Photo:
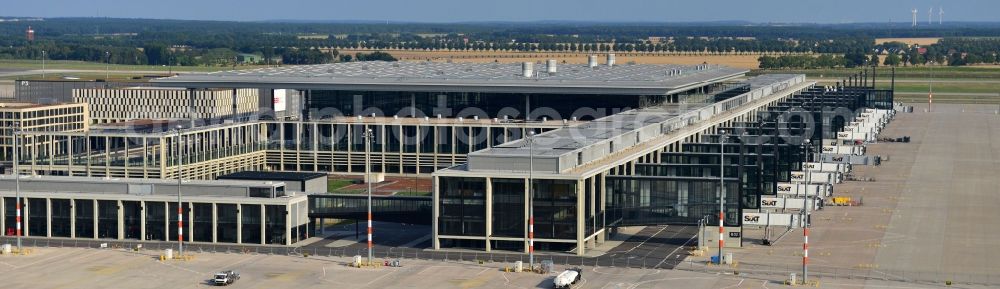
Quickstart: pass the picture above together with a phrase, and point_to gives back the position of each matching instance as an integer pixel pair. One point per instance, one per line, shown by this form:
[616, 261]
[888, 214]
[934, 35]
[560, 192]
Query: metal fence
[754, 270]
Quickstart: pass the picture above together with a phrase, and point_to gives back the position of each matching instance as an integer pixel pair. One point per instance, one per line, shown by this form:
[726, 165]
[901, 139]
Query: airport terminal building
[611, 144]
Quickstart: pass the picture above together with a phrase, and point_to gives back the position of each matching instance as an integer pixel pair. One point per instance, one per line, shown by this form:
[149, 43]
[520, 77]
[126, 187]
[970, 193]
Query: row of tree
[175, 42]
[814, 61]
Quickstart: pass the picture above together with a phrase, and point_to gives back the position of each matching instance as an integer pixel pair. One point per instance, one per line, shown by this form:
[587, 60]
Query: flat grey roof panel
[489, 77]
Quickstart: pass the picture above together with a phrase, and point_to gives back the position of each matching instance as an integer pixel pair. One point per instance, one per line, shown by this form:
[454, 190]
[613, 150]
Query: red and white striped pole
[17, 180]
[368, 179]
[722, 239]
[180, 205]
[18, 220]
[722, 192]
[805, 252]
[369, 236]
[531, 239]
[180, 229]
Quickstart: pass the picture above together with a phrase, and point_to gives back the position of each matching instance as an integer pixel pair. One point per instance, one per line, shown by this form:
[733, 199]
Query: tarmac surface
[928, 217]
[661, 247]
[122, 268]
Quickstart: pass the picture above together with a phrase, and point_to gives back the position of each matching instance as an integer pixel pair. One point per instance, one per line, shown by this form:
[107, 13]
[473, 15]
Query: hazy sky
[813, 11]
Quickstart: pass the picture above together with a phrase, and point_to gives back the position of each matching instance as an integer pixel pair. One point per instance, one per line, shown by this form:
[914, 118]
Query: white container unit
[827, 167]
[814, 177]
[799, 190]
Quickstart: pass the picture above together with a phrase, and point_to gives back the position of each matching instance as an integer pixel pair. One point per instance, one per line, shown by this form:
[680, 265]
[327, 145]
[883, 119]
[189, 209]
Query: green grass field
[956, 72]
[82, 65]
[333, 185]
[953, 84]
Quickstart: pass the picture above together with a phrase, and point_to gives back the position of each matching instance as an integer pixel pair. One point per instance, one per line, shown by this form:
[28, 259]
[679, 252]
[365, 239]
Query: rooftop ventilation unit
[611, 59]
[527, 69]
[592, 61]
[550, 66]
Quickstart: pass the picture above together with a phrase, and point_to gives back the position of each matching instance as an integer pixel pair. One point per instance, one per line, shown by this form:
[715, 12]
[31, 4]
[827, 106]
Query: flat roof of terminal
[561, 141]
[557, 143]
[631, 79]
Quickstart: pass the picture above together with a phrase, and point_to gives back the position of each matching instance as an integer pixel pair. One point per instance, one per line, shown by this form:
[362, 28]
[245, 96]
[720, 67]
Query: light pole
[368, 179]
[43, 64]
[722, 192]
[107, 65]
[17, 181]
[531, 201]
[805, 218]
[180, 206]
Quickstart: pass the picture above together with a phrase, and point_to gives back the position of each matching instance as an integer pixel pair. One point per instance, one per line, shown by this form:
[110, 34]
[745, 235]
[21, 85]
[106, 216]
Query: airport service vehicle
[567, 278]
[226, 277]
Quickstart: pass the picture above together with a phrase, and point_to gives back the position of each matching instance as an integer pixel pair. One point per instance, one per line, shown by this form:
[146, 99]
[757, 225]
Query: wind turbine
[930, 16]
[914, 11]
[940, 15]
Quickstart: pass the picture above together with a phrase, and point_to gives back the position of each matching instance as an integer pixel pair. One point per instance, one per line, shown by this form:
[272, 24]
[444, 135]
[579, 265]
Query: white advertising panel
[769, 219]
[280, 99]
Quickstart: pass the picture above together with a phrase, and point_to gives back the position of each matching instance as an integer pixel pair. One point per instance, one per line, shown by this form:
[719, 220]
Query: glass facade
[84, 218]
[107, 219]
[638, 200]
[10, 219]
[274, 227]
[401, 209]
[251, 223]
[508, 207]
[226, 223]
[457, 104]
[37, 211]
[202, 231]
[132, 219]
[156, 221]
[172, 214]
[555, 209]
[61, 210]
[463, 206]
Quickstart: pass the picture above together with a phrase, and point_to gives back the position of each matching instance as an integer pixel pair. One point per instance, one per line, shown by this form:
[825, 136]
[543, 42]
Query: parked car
[567, 278]
[226, 277]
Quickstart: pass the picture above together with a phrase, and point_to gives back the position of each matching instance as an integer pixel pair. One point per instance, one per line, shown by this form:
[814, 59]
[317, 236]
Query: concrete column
[72, 218]
[603, 205]
[166, 223]
[581, 226]
[436, 211]
[263, 228]
[215, 223]
[489, 212]
[142, 220]
[592, 205]
[25, 219]
[3, 217]
[121, 220]
[48, 217]
[190, 223]
[94, 203]
[288, 225]
[239, 224]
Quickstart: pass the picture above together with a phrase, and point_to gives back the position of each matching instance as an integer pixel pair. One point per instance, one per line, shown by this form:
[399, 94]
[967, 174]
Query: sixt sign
[783, 188]
[768, 203]
[751, 219]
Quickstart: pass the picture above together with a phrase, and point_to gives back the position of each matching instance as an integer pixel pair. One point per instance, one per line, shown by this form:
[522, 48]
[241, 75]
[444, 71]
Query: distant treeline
[178, 42]
[948, 51]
